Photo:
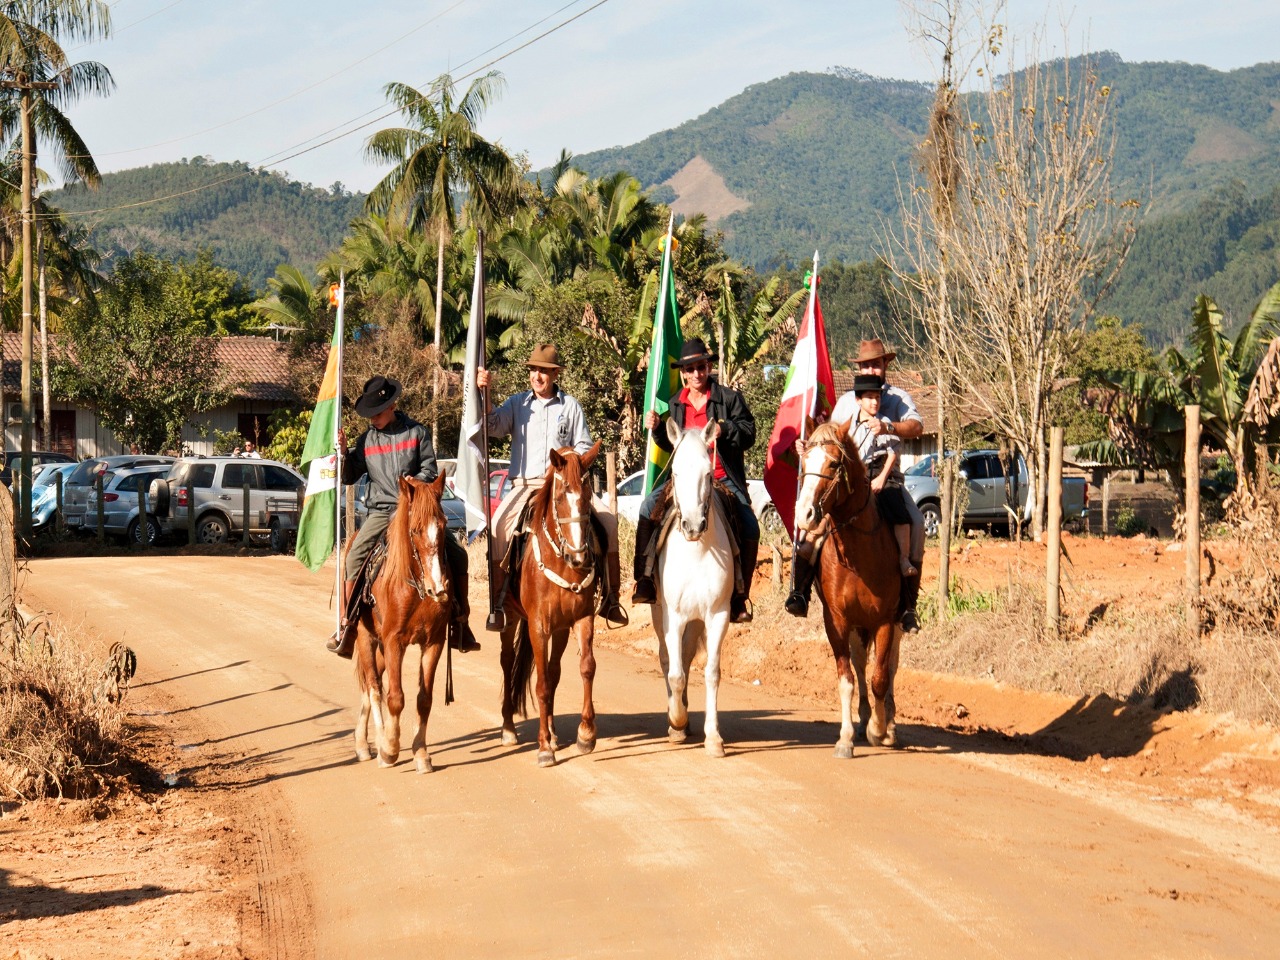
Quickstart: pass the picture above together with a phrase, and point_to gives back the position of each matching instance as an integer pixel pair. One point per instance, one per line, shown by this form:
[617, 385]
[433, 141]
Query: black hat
[693, 351]
[867, 383]
[379, 393]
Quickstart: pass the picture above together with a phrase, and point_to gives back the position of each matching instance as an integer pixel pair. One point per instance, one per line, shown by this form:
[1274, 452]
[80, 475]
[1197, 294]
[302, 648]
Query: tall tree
[441, 154]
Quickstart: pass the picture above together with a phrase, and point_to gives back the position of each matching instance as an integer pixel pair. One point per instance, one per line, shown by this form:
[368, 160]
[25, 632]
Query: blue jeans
[750, 526]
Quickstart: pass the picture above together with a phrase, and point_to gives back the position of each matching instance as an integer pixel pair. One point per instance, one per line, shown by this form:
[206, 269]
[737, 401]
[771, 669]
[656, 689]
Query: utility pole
[25, 85]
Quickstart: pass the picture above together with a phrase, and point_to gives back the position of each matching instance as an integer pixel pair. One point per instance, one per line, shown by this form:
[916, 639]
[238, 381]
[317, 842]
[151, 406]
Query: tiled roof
[259, 367]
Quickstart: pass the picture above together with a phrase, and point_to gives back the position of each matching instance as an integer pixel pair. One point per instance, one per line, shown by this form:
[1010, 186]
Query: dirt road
[953, 845]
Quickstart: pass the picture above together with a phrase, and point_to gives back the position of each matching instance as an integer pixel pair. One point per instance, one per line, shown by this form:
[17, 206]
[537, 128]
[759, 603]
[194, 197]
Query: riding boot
[645, 591]
[797, 602]
[460, 636]
[610, 607]
[740, 604]
[343, 643]
[910, 594]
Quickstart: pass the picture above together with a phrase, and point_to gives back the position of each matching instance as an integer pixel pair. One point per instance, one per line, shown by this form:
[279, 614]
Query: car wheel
[277, 537]
[134, 533]
[769, 519]
[932, 518]
[212, 528]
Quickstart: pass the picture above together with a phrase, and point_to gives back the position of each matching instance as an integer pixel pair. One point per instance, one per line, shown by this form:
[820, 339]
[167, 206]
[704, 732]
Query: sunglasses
[703, 367]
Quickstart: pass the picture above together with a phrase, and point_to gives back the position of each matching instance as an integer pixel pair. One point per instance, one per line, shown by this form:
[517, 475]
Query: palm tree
[744, 336]
[438, 155]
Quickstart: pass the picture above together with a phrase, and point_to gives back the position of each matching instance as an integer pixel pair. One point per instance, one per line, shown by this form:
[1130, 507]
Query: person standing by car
[898, 417]
[393, 446]
[539, 420]
[702, 401]
[251, 451]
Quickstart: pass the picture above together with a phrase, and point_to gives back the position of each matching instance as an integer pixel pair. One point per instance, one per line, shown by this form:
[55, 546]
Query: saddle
[513, 560]
[664, 520]
[362, 591]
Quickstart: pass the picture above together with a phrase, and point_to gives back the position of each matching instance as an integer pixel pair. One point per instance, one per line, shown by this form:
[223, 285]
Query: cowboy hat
[379, 393]
[693, 351]
[875, 349]
[546, 356]
[867, 383]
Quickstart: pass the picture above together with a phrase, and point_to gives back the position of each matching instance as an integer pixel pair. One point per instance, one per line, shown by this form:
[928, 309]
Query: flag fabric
[318, 523]
[809, 391]
[471, 482]
[662, 382]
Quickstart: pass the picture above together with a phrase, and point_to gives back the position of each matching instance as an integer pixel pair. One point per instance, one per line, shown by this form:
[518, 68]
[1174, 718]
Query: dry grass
[61, 719]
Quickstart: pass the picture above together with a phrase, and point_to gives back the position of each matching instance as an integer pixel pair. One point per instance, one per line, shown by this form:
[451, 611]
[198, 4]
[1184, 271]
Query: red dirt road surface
[268, 839]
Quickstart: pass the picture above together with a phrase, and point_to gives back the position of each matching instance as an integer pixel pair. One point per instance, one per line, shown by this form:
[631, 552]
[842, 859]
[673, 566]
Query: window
[200, 475]
[631, 486]
[277, 478]
[236, 475]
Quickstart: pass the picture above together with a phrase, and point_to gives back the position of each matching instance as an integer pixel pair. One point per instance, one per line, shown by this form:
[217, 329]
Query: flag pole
[808, 407]
[337, 463]
[660, 324]
[496, 620]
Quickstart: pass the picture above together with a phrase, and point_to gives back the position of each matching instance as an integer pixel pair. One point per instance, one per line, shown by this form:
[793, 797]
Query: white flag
[470, 482]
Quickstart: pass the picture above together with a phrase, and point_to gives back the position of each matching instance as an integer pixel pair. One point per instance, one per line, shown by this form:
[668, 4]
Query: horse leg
[838, 634]
[585, 630]
[715, 630]
[430, 658]
[365, 676]
[539, 637]
[508, 658]
[371, 660]
[389, 748]
[861, 642]
[881, 730]
[677, 681]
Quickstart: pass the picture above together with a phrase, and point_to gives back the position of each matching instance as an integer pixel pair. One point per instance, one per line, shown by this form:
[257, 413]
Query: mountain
[251, 220]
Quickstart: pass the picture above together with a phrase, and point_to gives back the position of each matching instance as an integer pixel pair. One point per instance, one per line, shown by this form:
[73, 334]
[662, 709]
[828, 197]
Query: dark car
[13, 460]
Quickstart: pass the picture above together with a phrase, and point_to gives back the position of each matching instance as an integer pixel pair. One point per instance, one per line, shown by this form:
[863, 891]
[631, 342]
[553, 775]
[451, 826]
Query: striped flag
[662, 381]
[471, 482]
[809, 392]
[318, 524]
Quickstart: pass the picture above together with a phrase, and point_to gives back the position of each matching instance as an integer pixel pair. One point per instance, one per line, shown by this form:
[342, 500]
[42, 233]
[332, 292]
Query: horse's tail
[521, 670]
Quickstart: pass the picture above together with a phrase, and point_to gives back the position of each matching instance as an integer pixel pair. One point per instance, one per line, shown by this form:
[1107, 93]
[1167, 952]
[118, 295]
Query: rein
[839, 473]
[561, 548]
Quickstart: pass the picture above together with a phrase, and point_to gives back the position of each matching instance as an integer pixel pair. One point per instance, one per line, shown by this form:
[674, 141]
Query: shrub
[1128, 523]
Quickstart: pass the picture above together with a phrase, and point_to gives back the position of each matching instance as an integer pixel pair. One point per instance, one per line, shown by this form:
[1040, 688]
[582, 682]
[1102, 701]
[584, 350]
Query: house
[258, 369]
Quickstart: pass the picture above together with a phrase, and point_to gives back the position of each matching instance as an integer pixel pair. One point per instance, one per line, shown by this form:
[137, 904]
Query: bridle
[576, 557]
[705, 500]
[419, 583]
[839, 476]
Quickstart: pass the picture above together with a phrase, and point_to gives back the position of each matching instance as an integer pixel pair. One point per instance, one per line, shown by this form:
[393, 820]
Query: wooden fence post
[244, 534]
[1053, 560]
[1192, 470]
[611, 480]
[144, 527]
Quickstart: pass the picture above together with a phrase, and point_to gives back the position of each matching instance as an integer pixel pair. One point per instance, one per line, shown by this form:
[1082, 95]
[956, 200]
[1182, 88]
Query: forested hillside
[250, 220]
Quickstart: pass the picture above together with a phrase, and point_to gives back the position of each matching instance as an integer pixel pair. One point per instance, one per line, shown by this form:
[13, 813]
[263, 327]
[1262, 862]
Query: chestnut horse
[859, 579]
[556, 599]
[412, 603]
[695, 582]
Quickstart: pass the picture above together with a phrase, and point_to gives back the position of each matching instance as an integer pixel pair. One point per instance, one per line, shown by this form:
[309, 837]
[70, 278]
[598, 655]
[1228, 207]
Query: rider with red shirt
[700, 402]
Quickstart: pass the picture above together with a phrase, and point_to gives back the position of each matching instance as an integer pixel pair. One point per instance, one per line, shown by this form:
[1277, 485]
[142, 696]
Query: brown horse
[557, 590]
[859, 579]
[412, 603]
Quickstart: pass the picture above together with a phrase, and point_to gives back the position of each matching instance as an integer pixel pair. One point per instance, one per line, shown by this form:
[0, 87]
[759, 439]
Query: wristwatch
[892, 428]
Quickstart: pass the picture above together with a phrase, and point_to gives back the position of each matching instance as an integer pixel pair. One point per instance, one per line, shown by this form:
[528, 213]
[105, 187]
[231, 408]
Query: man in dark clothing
[701, 401]
[394, 446]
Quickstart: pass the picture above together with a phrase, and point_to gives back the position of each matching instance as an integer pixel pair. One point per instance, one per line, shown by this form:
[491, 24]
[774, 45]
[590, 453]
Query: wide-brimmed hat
[867, 383]
[693, 351]
[379, 393]
[870, 350]
[546, 356]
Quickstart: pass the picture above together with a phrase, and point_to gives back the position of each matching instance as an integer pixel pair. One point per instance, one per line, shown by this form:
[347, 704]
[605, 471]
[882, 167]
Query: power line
[279, 158]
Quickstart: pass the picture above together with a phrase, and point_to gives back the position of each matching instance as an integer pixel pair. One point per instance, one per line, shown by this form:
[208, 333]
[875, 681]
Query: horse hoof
[363, 754]
[509, 738]
[386, 759]
[890, 737]
[715, 748]
[586, 746]
[844, 751]
[546, 758]
[875, 737]
[424, 766]
[677, 736]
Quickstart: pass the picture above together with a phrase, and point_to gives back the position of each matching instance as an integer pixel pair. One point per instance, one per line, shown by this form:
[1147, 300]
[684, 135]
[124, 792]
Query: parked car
[215, 485]
[44, 493]
[120, 503]
[13, 460]
[990, 490]
[83, 477]
[455, 513]
[629, 500]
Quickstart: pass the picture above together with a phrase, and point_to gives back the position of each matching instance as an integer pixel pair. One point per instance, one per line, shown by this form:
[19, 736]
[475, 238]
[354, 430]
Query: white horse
[695, 582]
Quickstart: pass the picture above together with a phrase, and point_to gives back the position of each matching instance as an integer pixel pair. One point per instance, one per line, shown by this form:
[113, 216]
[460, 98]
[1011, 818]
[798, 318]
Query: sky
[263, 80]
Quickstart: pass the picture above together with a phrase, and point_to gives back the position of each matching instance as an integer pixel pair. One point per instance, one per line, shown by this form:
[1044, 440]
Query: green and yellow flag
[318, 523]
[663, 381]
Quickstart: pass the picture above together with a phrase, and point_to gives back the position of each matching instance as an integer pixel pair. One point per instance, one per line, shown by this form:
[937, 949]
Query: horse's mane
[833, 433]
[419, 513]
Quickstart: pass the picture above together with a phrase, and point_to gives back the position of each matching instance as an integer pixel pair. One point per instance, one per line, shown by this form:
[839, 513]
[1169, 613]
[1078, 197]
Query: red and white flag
[810, 392]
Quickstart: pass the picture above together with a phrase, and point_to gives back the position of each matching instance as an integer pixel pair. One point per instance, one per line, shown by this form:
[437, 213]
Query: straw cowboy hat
[379, 393]
[546, 356]
[875, 349]
[693, 351]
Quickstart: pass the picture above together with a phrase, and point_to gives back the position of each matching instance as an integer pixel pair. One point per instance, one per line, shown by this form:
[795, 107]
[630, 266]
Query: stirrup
[614, 613]
[909, 622]
[645, 591]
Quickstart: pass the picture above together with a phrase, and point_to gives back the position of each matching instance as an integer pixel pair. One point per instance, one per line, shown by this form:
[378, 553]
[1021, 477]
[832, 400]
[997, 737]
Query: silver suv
[120, 503]
[79, 481]
[218, 485]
